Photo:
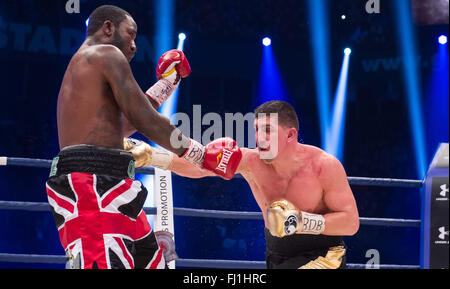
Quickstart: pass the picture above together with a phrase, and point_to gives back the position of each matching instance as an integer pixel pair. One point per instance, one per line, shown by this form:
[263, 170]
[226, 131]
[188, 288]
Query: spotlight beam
[270, 80]
[335, 133]
[411, 76]
[319, 40]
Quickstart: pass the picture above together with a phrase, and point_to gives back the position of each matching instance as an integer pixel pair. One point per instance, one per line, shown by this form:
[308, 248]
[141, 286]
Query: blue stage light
[271, 85]
[443, 39]
[266, 41]
[347, 51]
[181, 36]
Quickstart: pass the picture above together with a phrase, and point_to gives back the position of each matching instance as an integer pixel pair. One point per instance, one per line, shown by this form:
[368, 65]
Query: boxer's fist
[145, 155]
[283, 219]
[142, 152]
[166, 243]
[222, 157]
[173, 65]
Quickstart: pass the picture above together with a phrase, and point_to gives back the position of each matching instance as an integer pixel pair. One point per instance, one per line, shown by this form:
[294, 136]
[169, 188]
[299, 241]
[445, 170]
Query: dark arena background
[368, 79]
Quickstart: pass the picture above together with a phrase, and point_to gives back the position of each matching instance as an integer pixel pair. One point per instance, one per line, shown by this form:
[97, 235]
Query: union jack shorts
[98, 210]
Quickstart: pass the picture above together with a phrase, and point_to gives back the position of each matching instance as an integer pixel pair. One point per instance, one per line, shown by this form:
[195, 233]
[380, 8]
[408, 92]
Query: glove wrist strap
[161, 159]
[161, 90]
[195, 154]
[312, 223]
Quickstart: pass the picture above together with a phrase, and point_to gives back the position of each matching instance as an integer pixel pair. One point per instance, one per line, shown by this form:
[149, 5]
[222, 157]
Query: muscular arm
[186, 169]
[134, 104]
[343, 218]
[183, 168]
[128, 128]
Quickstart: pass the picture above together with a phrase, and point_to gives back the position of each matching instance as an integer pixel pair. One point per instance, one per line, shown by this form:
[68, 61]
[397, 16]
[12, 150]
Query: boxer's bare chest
[87, 112]
[302, 188]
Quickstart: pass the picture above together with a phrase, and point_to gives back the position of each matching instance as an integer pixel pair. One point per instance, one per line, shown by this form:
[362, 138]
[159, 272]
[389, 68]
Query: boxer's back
[87, 112]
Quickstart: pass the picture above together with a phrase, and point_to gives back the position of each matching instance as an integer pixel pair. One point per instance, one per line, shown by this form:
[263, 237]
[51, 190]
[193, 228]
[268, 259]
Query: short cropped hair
[287, 115]
[103, 13]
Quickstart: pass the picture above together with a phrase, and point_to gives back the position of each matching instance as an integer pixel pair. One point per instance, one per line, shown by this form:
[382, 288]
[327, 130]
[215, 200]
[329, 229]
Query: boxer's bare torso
[100, 101]
[87, 112]
[302, 187]
[312, 180]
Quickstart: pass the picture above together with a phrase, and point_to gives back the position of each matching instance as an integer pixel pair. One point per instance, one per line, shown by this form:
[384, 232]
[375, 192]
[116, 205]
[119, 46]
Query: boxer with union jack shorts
[98, 210]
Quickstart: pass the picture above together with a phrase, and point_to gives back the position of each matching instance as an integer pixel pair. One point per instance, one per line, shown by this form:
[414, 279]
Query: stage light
[437, 101]
[182, 36]
[442, 39]
[271, 85]
[343, 17]
[347, 51]
[266, 41]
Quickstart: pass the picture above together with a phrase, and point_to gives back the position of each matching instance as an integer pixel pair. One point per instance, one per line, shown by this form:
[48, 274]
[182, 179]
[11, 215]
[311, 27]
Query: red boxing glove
[173, 63]
[222, 157]
[172, 66]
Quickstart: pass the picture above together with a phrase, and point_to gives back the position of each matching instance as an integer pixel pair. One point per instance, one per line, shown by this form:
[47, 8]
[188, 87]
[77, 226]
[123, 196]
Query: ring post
[434, 230]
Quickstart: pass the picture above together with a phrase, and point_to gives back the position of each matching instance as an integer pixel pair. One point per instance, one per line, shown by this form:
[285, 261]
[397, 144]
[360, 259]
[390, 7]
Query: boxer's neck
[95, 39]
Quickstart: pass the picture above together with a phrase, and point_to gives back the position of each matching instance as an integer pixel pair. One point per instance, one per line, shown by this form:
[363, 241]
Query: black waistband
[298, 243]
[94, 160]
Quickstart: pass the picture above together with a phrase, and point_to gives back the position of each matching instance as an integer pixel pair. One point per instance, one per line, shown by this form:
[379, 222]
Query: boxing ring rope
[197, 263]
[189, 212]
[357, 181]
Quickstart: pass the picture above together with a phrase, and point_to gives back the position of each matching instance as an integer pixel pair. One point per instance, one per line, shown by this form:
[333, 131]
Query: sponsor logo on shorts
[131, 170]
[54, 168]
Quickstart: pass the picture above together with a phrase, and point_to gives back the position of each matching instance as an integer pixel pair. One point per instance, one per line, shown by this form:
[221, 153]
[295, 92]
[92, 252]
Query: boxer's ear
[292, 134]
[108, 28]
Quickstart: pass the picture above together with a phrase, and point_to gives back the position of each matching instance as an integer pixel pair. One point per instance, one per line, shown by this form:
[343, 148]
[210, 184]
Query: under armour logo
[444, 190]
[443, 233]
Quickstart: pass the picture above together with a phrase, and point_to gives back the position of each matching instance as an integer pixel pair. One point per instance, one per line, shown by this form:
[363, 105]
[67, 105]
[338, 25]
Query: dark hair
[287, 116]
[103, 13]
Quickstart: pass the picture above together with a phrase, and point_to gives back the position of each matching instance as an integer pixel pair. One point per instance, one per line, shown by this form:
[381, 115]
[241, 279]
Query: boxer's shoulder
[103, 54]
[319, 158]
[327, 165]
